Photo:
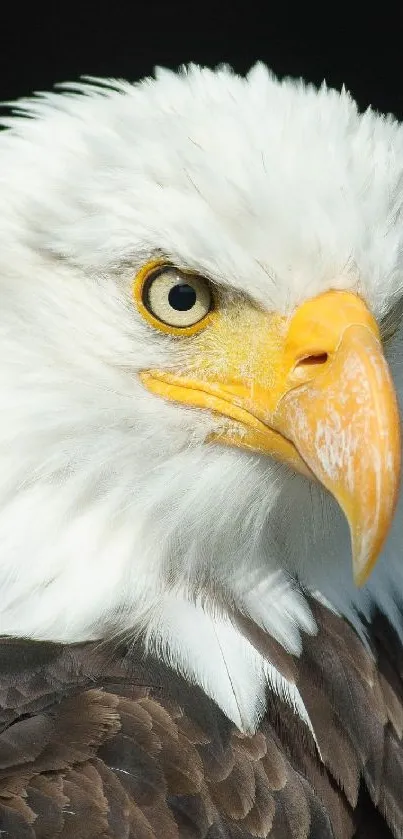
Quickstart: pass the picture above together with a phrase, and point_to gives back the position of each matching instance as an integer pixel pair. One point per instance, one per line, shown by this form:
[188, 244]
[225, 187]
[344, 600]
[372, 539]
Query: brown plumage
[102, 744]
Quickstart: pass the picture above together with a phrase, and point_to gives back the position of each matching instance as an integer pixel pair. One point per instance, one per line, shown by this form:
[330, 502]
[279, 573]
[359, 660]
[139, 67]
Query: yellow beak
[314, 391]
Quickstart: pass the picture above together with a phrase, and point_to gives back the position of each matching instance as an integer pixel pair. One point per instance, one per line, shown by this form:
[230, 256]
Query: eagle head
[200, 366]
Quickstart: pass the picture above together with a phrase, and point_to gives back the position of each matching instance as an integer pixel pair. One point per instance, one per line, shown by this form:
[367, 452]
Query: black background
[42, 45]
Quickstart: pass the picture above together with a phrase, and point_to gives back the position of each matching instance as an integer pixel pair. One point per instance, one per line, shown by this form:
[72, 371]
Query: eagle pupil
[182, 297]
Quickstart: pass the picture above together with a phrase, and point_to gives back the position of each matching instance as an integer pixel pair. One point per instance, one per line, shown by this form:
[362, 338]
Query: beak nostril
[309, 360]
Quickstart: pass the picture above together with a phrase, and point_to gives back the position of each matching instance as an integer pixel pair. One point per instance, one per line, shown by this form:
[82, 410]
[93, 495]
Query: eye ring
[173, 300]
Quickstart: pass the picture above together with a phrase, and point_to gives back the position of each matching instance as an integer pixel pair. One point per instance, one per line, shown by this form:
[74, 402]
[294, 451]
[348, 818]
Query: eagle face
[200, 338]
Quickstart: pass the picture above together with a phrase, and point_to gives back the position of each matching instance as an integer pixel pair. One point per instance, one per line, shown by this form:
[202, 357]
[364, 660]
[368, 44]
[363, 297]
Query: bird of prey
[201, 571]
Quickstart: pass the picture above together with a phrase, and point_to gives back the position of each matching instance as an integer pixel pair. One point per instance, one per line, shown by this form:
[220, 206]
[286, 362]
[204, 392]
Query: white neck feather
[209, 650]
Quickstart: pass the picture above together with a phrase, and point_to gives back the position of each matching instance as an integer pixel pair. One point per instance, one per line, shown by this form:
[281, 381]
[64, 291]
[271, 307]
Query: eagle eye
[175, 301]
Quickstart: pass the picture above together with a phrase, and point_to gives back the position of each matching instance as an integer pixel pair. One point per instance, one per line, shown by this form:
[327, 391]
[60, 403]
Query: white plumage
[116, 514]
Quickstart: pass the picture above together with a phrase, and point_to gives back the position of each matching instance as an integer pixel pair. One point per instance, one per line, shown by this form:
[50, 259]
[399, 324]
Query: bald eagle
[201, 351]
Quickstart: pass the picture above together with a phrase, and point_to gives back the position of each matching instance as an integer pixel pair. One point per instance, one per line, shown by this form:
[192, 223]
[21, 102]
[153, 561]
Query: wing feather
[95, 744]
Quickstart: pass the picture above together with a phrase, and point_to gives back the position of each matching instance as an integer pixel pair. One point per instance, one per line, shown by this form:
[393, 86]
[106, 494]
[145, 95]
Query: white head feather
[115, 514]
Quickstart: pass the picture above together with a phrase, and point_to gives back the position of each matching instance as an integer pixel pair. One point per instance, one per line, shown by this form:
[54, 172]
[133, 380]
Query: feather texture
[101, 743]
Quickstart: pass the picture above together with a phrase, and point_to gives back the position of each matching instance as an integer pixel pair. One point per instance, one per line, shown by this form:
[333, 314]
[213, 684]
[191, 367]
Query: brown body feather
[102, 745]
